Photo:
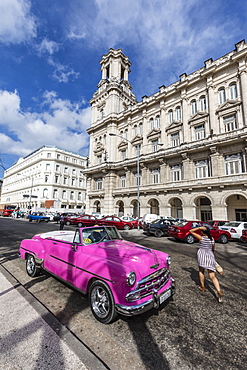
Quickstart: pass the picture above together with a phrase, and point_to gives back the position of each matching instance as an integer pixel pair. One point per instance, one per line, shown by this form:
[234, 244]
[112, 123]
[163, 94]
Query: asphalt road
[193, 331]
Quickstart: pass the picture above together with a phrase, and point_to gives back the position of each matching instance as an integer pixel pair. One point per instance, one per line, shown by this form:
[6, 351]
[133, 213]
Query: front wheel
[67, 223]
[190, 239]
[80, 224]
[158, 233]
[223, 239]
[30, 220]
[102, 302]
[31, 266]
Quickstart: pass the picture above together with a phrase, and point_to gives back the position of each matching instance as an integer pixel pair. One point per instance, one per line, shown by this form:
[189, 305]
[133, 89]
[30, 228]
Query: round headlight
[131, 278]
[169, 260]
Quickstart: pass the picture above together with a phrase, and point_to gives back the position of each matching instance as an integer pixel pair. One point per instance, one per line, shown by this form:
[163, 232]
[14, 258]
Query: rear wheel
[158, 233]
[67, 223]
[102, 302]
[190, 239]
[80, 224]
[31, 266]
[223, 239]
[30, 220]
[126, 227]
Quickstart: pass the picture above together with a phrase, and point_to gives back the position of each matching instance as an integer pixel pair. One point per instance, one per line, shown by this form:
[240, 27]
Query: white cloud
[17, 24]
[62, 73]
[166, 37]
[48, 46]
[62, 124]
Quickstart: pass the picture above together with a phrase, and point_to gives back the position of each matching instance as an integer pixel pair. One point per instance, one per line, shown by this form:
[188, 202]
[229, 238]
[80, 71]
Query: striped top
[205, 254]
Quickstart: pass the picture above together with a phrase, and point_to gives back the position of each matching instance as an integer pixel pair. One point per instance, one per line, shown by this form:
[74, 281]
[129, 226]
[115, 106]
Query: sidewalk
[32, 338]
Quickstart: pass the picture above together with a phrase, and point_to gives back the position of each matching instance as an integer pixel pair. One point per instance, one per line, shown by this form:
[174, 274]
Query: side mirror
[74, 247]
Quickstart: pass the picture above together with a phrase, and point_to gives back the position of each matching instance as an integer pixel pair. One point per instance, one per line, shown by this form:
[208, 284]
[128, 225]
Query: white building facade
[48, 178]
[199, 171]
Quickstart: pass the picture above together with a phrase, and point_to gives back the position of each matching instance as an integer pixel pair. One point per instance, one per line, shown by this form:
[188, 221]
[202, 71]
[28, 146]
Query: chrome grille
[156, 280]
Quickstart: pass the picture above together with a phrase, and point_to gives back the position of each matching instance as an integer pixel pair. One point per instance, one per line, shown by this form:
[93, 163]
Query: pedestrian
[206, 258]
[61, 222]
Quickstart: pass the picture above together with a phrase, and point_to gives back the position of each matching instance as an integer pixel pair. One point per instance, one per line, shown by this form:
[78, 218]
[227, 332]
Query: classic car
[38, 216]
[181, 231]
[130, 219]
[115, 221]
[120, 277]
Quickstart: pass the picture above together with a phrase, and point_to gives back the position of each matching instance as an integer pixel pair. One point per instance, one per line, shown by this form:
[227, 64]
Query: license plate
[165, 296]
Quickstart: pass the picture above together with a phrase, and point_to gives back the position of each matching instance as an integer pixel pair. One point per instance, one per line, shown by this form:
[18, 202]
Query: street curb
[90, 360]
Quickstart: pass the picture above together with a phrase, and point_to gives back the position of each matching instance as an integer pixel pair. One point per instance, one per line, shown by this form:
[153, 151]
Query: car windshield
[181, 223]
[156, 221]
[99, 234]
[233, 224]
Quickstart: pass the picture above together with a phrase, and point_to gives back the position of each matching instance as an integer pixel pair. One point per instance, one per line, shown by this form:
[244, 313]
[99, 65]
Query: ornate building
[180, 152]
[48, 178]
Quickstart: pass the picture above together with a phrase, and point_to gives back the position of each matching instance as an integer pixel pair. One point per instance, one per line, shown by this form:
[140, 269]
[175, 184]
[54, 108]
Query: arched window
[151, 122]
[222, 95]
[157, 121]
[45, 193]
[135, 130]
[72, 195]
[55, 196]
[140, 128]
[178, 113]
[193, 107]
[203, 105]
[170, 116]
[64, 196]
[233, 91]
[79, 196]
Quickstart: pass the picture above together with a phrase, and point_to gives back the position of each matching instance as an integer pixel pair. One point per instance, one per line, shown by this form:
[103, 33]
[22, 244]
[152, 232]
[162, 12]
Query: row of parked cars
[124, 223]
[222, 231]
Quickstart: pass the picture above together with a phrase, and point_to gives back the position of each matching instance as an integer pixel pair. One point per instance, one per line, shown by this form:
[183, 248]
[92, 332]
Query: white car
[127, 218]
[234, 228]
[50, 215]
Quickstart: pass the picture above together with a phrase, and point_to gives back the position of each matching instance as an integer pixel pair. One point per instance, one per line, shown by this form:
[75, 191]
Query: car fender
[32, 246]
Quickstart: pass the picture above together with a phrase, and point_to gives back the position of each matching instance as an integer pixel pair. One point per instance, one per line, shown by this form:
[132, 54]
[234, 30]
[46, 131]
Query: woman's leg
[201, 277]
[215, 281]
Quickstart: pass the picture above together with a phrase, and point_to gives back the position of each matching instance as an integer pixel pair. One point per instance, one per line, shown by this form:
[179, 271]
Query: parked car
[56, 217]
[119, 276]
[69, 217]
[180, 231]
[158, 227]
[80, 221]
[38, 216]
[235, 228]
[244, 235]
[98, 214]
[216, 223]
[133, 220]
[115, 221]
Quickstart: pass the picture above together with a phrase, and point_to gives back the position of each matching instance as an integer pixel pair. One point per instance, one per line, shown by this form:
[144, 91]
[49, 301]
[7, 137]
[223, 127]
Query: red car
[244, 235]
[115, 221]
[82, 221]
[216, 224]
[180, 231]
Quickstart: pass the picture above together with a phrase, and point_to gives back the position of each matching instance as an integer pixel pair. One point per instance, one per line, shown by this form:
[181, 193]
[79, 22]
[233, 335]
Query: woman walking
[206, 259]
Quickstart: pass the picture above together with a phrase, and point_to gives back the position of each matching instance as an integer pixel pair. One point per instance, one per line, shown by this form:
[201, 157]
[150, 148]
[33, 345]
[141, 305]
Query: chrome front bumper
[145, 306]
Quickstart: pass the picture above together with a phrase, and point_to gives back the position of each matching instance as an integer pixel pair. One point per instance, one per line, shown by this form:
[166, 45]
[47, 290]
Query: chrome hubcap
[100, 302]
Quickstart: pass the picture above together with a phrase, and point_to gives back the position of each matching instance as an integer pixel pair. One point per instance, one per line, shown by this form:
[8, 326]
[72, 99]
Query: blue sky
[50, 53]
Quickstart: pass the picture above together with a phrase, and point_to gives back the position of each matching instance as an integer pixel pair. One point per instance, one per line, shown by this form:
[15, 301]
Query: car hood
[132, 255]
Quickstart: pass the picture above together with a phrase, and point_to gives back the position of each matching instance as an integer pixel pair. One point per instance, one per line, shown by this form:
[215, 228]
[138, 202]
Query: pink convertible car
[118, 276]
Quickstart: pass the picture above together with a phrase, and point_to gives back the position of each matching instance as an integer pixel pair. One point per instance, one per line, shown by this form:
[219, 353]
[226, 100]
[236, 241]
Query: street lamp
[138, 173]
[30, 198]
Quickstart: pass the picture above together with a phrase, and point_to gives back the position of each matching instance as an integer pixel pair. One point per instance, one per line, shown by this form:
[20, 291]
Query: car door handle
[54, 243]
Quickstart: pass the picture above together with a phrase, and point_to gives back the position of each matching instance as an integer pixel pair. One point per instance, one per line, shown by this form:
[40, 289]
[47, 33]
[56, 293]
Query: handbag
[219, 269]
